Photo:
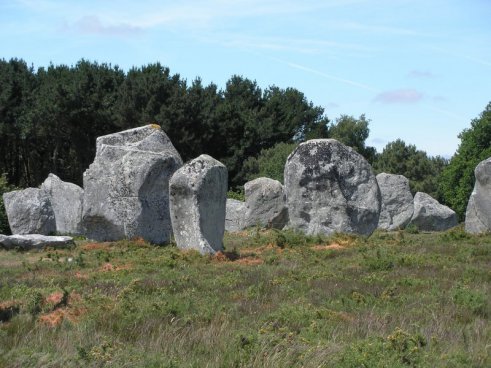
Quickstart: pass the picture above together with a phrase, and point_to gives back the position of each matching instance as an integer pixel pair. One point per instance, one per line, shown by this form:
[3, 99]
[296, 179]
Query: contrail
[332, 77]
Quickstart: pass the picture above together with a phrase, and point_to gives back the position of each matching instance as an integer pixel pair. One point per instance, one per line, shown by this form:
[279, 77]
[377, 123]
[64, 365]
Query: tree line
[51, 117]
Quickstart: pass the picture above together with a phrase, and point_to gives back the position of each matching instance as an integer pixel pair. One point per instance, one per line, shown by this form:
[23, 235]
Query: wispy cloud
[330, 76]
[421, 74]
[375, 28]
[332, 105]
[93, 25]
[399, 96]
[463, 55]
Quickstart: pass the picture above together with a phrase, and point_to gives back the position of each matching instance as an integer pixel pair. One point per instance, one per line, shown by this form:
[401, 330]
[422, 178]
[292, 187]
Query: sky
[420, 70]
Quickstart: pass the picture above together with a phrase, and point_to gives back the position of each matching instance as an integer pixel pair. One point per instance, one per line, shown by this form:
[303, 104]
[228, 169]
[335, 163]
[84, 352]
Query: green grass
[274, 299]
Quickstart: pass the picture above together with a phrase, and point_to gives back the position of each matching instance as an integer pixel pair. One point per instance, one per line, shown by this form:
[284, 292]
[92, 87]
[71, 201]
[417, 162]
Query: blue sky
[420, 70]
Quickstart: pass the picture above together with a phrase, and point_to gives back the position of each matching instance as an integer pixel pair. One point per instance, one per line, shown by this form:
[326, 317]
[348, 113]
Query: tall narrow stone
[198, 193]
[397, 201]
[478, 214]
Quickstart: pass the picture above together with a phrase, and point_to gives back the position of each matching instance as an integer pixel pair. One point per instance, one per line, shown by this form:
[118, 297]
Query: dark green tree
[353, 132]
[17, 82]
[4, 188]
[270, 163]
[422, 171]
[457, 179]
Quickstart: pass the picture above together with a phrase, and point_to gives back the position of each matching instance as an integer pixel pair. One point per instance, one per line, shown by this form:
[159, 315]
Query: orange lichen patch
[139, 242]
[54, 318]
[333, 246]
[108, 267]
[70, 311]
[261, 250]
[249, 261]
[81, 276]
[232, 257]
[55, 298]
[96, 246]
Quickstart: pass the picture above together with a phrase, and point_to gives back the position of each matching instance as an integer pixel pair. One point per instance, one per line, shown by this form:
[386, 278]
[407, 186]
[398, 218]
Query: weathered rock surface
[265, 203]
[397, 201]
[66, 200]
[478, 214]
[235, 215]
[29, 211]
[198, 193]
[127, 186]
[430, 215]
[34, 241]
[331, 188]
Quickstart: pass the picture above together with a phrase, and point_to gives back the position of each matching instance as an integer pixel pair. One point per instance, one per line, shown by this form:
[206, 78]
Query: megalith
[66, 200]
[478, 214]
[235, 215]
[198, 193]
[29, 211]
[397, 201]
[265, 203]
[330, 188]
[430, 215]
[126, 188]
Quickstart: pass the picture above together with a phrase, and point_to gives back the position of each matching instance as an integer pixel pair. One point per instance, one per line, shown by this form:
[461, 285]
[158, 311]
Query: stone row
[138, 187]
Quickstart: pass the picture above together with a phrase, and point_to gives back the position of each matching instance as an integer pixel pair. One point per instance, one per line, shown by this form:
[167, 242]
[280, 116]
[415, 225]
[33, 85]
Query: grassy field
[273, 299]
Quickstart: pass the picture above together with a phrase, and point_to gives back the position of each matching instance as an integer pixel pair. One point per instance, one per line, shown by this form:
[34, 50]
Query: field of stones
[151, 265]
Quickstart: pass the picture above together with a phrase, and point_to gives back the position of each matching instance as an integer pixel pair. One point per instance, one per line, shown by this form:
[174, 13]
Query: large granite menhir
[397, 202]
[331, 188]
[66, 200]
[430, 215]
[29, 211]
[198, 192]
[127, 186]
[265, 203]
[478, 214]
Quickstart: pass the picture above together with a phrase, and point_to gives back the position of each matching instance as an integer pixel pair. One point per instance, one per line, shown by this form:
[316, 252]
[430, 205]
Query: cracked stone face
[126, 188]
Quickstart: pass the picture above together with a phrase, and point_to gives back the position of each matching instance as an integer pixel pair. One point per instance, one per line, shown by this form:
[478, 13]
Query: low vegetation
[272, 299]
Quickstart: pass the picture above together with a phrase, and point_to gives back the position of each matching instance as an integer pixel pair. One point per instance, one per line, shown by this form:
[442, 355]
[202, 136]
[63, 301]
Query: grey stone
[330, 188]
[478, 214]
[430, 215]
[66, 200]
[198, 192]
[265, 203]
[397, 201]
[235, 215]
[126, 188]
[29, 211]
[34, 241]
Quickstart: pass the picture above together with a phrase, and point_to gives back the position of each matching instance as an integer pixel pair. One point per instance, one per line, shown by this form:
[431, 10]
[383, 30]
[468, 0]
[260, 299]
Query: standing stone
[66, 200]
[198, 193]
[478, 214]
[265, 203]
[29, 211]
[397, 201]
[430, 215]
[331, 188]
[235, 215]
[127, 186]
